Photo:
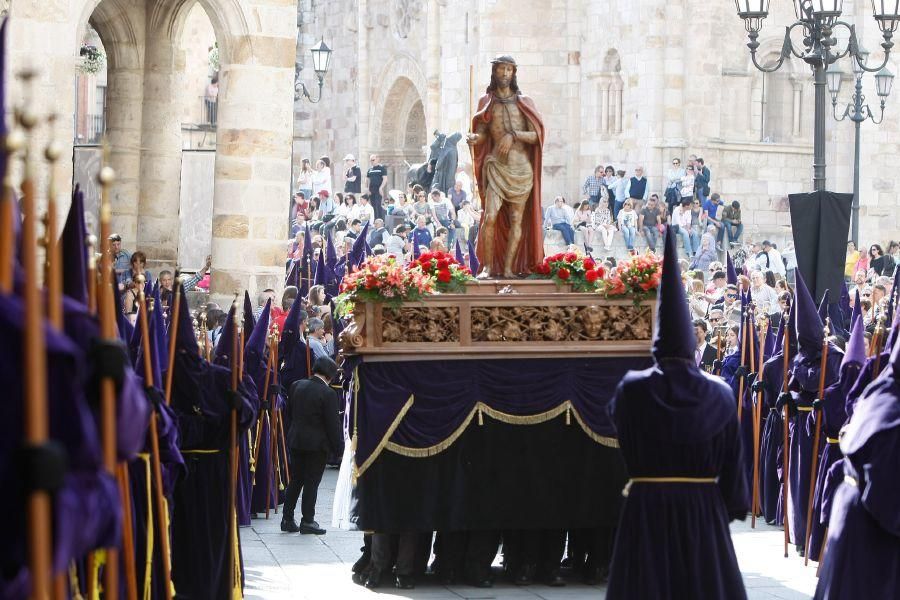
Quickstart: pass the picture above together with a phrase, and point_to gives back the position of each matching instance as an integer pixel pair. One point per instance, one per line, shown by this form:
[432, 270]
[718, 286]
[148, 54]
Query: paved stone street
[282, 566]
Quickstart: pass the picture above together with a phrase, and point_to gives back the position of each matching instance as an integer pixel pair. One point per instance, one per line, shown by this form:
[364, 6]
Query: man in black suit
[314, 429]
[705, 354]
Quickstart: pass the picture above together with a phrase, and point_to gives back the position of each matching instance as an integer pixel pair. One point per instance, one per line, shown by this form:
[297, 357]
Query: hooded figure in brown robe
[507, 138]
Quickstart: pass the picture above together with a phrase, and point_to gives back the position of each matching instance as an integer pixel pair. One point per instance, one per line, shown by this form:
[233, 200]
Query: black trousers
[539, 548]
[306, 473]
[466, 553]
[387, 546]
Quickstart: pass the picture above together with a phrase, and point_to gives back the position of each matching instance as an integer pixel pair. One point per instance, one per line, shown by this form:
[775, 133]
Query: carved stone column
[253, 157]
[160, 166]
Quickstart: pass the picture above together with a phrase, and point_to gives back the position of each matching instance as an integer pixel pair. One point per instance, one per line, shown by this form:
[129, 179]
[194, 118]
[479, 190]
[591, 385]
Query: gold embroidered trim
[609, 442]
[479, 409]
[384, 440]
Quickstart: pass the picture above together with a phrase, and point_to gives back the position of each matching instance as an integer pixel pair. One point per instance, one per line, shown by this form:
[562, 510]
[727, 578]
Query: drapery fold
[420, 408]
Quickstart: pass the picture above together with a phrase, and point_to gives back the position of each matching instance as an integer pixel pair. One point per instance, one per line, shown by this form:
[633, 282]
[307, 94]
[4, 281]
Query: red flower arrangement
[567, 267]
[637, 276]
[450, 276]
[383, 279]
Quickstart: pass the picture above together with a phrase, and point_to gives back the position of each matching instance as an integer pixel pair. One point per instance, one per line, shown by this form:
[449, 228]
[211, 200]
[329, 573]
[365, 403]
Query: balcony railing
[209, 110]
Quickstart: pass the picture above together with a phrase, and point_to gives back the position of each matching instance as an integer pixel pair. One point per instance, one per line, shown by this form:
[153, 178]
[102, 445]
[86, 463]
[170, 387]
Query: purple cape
[674, 420]
[862, 559]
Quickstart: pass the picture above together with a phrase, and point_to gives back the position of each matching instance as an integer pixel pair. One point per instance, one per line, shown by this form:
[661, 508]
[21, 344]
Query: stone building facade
[622, 82]
[145, 75]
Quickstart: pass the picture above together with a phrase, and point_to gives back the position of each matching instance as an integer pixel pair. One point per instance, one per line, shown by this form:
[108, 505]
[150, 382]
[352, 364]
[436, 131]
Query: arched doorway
[90, 121]
[198, 61]
[402, 136]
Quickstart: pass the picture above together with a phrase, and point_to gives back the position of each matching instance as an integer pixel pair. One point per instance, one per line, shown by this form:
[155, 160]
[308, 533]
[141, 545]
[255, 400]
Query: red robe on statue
[530, 252]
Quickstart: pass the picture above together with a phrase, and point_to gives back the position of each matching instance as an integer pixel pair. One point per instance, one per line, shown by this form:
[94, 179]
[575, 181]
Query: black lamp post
[857, 111]
[817, 20]
[321, 56]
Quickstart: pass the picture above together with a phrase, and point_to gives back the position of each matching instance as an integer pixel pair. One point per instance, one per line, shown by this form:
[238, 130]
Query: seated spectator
[584, 223]
[355, 229]
[137, 266]
[469, 219]
[764, 296]
[365, 211]
[560, 217]
[377, 233]
[649, 221]
[681, 221]
[628, 222]
[734, 227]
[396, 243]
[602, 221]
[442, 212]
[420, 208]
[707, 253]
[712, 208]
[421, 235]
[879, 263]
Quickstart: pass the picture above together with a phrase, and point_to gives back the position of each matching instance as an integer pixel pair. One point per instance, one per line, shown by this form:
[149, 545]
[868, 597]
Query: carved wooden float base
[502, 319]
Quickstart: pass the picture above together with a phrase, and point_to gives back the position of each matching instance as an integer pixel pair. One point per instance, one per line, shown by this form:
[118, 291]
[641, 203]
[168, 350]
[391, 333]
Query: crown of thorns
[504, 59]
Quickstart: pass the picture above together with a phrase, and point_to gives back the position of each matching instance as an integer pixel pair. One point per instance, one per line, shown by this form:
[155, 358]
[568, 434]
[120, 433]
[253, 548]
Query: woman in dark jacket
[879, 262]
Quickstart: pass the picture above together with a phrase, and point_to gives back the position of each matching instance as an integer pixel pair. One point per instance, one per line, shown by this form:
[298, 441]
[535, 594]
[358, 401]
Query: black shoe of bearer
[289, 526]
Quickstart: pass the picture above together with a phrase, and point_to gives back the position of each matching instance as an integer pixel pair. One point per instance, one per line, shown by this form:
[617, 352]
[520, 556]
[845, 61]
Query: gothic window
[777, 104]
[609, 95]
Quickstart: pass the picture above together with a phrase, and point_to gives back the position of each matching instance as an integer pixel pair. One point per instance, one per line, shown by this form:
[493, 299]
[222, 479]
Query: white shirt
[466, 182]
[698, 354]
[321, 180]
[766, 298]
[682, 218]
[775, 262]
[365, 212]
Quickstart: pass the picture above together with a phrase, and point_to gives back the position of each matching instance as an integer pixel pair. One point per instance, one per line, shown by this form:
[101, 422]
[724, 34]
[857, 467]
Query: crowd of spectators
[401, 222]
[131, 267]
[614, 202]
[871, 273]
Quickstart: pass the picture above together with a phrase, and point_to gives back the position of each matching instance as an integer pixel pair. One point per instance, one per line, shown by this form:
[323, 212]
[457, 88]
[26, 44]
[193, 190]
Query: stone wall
[622, 82]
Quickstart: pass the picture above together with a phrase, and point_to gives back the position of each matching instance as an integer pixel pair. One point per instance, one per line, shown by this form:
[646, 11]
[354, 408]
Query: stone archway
[401, 133]
[257, 46]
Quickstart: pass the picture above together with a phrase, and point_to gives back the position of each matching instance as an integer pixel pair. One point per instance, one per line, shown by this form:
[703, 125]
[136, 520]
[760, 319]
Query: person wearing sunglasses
[673, 183]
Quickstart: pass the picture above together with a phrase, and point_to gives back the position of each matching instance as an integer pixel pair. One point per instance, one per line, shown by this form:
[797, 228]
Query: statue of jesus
[507, 138]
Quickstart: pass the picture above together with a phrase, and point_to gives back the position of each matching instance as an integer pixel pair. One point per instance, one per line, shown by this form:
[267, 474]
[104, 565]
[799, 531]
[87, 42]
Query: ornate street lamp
[858, 111]
[817, 20]
[321, 56]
